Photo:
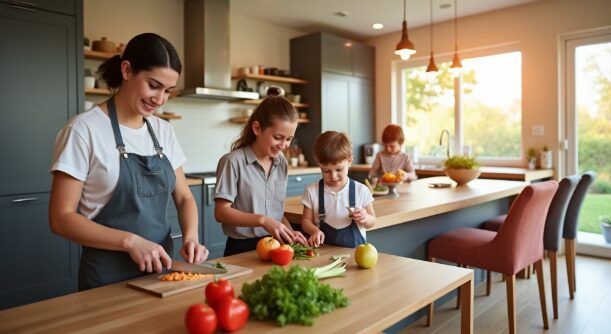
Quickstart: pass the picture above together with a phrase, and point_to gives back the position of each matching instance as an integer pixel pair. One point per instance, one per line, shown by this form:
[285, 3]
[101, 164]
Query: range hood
[207, 69]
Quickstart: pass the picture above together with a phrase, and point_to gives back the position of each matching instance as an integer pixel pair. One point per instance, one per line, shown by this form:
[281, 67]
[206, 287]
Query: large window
[481, 108]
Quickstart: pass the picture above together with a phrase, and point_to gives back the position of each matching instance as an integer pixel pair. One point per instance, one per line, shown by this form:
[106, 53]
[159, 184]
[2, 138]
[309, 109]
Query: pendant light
[456, 67]
[405, 48]
[432, 68]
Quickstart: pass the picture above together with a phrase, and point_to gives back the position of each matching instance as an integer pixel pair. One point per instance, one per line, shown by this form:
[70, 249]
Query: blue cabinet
[214, 238]
[36, 264]
[172, 216]
[297, 183]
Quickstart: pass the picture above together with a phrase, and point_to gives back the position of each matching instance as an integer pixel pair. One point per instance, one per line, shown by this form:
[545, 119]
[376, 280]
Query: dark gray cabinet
[214, 238]
[39, 80]
[36, 263]
[339, 91]
[58, 6]
[172, 216]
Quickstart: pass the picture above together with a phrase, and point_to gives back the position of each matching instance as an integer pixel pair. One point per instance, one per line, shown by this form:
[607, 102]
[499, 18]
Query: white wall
[534, 26]
[204, 132]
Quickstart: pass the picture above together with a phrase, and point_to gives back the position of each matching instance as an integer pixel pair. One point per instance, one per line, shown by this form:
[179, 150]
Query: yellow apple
[366, 255]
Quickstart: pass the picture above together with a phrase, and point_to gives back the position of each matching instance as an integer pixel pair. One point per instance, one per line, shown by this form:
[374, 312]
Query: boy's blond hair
[332, 147]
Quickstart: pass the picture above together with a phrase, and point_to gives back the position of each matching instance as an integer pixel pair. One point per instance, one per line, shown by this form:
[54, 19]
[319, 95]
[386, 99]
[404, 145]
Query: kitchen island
[361, 171]
[380, 297]
[404, 224]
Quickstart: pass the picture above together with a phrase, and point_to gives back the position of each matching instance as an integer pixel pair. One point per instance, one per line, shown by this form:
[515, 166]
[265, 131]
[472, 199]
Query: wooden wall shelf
[98, 91]
[242, 120]
[99, 55]
[257, 102]
[271, 78]
[168, 117]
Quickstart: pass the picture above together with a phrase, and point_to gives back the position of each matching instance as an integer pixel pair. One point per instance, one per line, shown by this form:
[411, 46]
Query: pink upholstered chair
[517, 244]
[553, 230]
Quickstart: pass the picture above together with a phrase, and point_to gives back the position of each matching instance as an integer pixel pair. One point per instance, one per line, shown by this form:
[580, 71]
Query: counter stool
[553, 229]
[517, 244]
[571, 222]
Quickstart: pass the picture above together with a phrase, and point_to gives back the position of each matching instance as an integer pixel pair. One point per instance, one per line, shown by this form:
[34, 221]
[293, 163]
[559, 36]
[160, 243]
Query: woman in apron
[116, 167]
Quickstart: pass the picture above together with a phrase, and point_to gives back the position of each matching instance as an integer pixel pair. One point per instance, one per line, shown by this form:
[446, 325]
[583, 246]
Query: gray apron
[137, 205]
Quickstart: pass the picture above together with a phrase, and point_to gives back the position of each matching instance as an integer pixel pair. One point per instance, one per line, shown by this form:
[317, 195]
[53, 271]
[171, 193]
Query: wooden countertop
[503, 173]
[396, 287]
[303, 170]
[194, 182]
[418, 200]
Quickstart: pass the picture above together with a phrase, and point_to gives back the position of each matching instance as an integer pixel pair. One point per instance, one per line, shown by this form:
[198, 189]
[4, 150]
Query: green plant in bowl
[462, 169]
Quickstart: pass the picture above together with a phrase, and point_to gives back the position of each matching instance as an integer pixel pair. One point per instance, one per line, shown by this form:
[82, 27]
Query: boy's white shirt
[336, 204]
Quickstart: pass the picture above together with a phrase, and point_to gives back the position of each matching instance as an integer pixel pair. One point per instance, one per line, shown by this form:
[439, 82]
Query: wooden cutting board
[153, 285]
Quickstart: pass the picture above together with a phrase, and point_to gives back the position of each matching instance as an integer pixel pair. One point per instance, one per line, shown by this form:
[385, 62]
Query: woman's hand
[278, 230]
[316, 239]
[148, 255]
[194, 252]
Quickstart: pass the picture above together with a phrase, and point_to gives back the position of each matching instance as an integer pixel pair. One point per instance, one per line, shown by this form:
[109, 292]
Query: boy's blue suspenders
[349, 236]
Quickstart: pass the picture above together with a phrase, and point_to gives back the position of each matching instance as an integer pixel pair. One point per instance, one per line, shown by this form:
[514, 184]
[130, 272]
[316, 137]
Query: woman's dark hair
[144, 52]
[273, 107]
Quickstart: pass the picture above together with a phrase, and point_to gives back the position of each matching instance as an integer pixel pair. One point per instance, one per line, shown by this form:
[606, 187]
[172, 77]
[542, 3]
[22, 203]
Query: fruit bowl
[392, 188]
[462, 176]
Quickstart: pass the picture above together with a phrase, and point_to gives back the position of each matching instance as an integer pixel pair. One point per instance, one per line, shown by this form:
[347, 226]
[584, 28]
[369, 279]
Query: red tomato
[264, 247]
[310, 252]
[200, 319]
[215, 291]
[232, 314]
[282, 255]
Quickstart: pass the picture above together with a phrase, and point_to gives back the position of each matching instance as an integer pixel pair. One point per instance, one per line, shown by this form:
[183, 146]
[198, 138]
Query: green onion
[334, 269]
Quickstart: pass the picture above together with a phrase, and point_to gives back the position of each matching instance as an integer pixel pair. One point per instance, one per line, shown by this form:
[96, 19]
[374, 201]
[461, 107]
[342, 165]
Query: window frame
[398, 96]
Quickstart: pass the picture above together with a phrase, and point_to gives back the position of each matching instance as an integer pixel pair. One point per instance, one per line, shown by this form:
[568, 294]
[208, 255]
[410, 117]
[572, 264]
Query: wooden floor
[589, 312]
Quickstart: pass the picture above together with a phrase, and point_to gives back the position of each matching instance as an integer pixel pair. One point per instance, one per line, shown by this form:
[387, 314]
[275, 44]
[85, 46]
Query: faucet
[441, 141]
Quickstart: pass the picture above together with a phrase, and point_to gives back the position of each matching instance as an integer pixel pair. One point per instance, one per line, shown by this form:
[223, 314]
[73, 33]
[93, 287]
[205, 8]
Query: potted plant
[605, 226]
[531, 156]
[87, 44]
[462, 169]
[545, 157]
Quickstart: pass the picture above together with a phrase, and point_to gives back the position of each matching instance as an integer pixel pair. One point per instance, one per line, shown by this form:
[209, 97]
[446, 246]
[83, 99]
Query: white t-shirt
[85, 149]
[336, 203]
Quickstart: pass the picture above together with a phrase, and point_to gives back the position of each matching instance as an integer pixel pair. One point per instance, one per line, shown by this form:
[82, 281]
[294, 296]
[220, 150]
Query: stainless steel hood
[207, 68]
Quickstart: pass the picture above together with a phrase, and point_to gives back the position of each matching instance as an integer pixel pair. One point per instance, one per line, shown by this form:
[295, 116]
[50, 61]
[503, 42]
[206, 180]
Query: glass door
[587, 70]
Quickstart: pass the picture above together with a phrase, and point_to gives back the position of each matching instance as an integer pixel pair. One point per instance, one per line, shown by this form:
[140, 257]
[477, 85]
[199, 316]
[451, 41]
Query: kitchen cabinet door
[361, 116]
[335, 102]
[36, 264]
[39, 94]
[297, 183]
[363, 60]
[336, 54]
[214, 238]
[59, 6]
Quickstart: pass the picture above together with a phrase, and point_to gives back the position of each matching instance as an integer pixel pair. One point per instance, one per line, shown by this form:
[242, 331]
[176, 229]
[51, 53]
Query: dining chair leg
[573, 267]
[541, 283]
[510, 281]
[554, 278]
[488, 282]
[570, 270]
[429, 313]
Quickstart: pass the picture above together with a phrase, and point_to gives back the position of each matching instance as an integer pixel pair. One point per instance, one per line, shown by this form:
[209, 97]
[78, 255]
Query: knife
[203, 268]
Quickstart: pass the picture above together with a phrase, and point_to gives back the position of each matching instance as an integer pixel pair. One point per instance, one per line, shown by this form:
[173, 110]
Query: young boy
[336, 210]
[392, 159]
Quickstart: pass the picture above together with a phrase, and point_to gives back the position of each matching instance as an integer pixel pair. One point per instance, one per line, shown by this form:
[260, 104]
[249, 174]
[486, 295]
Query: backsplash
[204, 132]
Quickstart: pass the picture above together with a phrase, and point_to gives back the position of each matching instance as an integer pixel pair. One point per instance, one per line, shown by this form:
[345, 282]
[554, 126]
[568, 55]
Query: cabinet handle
[24, 5]
[23, 200]
[298, 179]
[209, 191]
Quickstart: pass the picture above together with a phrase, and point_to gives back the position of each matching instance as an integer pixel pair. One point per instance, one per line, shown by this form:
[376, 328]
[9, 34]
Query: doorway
[586, 102]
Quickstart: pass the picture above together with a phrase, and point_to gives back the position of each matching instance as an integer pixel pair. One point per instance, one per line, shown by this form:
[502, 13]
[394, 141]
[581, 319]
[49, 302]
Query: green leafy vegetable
[380, 188]
[219, 265]
[461, 162]
[293, 296]
[303, 252]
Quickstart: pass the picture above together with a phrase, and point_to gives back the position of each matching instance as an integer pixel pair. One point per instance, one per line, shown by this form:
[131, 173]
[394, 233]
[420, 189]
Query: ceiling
[316, 15]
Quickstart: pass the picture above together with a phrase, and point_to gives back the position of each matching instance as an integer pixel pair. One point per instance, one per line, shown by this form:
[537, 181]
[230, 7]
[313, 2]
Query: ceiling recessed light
[377, 26]
[348, 44]
[341, 13]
